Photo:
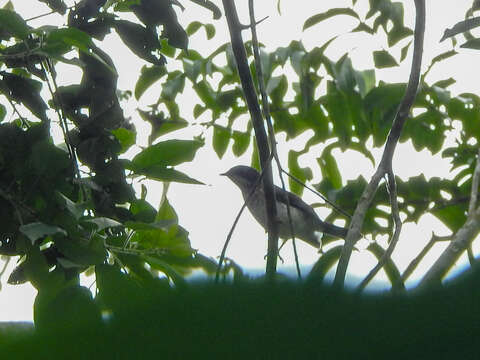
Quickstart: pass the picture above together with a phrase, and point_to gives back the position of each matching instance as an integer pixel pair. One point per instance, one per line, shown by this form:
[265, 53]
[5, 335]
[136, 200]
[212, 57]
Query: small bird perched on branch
[306, 223]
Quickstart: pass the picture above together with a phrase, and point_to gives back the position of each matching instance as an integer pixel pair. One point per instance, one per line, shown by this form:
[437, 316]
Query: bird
[307, 226]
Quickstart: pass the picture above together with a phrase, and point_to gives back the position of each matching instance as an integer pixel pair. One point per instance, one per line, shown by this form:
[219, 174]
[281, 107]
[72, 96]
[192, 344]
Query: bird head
[243, 176]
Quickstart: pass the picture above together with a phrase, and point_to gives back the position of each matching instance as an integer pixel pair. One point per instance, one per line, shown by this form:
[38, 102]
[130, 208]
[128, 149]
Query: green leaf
[167, 153]
[241, 140]
[325, 263]
[302, 174]
[192, 69]
[193, 27]
[102, 223]
[71, 37]
[37, 230]
[460, 27]
[143, 211]
[125, 137]
[404, 51]
[161, 173]
[221, 139]
[471, 44]
[14, 24]
[174, 85]
[77, 210]
[148, 76]
[317, 18]
[383, 59]
[3, 112]
[329, 168]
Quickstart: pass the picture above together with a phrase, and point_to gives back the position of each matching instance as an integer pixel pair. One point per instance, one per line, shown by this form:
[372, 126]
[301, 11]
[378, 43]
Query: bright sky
[207, 212]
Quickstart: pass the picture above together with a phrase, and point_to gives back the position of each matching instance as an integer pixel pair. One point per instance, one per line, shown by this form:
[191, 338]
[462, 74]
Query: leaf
[125, 137]
[143, 211]
[325, 263]
[26, 91]
[56, 5]
[241, 140]
[167, 153]
[37, 230]
[14, 24]
[383, 59]
[471, 44]
[3, 112]
[174, 85]
[302, 174]
[102, 223]
[460, 27]
[148, 76]
[70, 37]
[209, 5]
[221, 139]
[329, 168]
[404, 51]
[161, 173]
[166, 268]
[317, 18]
[77, 210]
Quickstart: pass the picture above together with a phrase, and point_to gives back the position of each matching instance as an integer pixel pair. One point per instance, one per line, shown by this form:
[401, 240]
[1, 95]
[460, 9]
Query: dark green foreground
[251, 321]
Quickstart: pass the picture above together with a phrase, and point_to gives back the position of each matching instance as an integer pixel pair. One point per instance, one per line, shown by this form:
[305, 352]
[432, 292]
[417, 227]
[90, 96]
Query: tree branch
[392, 187]
[271, 132]
[392, 140]
[238, 48]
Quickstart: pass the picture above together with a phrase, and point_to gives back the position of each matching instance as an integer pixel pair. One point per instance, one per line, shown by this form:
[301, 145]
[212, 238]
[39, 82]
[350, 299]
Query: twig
[48, 13]
[414, 263]
[392, 189]
[461, 240]
[251, 99]
[266, 115]
[392, 140]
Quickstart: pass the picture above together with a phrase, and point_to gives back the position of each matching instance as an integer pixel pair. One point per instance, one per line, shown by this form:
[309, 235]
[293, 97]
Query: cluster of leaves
[70, 207]
[353, 109]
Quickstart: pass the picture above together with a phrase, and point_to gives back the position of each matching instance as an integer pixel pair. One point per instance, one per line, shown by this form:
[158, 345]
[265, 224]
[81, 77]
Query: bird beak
[224, 174]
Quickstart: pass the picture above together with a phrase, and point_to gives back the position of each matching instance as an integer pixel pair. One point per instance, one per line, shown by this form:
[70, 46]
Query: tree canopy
[69, 207]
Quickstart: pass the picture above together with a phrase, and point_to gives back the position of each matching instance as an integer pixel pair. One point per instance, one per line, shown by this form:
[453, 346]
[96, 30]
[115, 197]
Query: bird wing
[295, 201]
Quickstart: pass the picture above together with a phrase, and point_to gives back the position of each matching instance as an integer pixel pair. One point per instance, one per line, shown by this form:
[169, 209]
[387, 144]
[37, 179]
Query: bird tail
[334, 230]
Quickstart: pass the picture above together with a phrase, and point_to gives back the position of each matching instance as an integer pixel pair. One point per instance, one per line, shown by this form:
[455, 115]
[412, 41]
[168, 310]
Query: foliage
[70, 208]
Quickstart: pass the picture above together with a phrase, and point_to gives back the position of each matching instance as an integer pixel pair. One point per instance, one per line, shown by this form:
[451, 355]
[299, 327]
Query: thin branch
[461, 240]
[47, 13]
[414, 263]
[260, 134]
[392, 189]
[475, 183]
[271, 133]
[386, 162]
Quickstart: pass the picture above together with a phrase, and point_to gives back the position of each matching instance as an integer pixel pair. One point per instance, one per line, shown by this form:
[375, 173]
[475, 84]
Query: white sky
[207, 212]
